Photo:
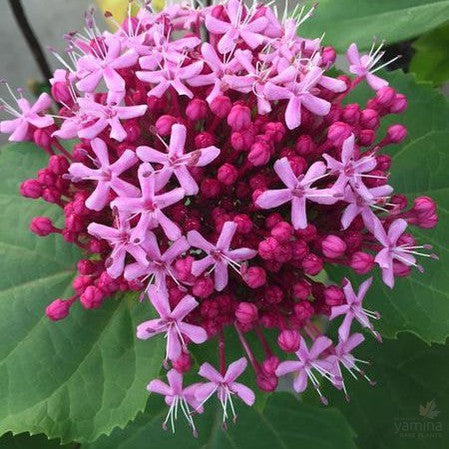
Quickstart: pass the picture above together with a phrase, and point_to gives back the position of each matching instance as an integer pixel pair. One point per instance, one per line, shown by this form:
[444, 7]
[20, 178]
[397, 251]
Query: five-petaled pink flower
[29, 115]
[157, 266]
[176, 161]
[120, 240]
[219, 256]
[225, 386]
[241, 25]
[308, 362]
[171, 323]
[298, 191]
[364, 66]
[176, 396]
[106, 175]
[149, 205]
[353, 309]
[92, 68]
[103, 115]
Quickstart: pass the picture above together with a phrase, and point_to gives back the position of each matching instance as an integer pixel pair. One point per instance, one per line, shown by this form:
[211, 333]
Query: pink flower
[359, 205]
[297, 192]
[308, 362]
[219, 69]
[19, 126]
[92, 68]
[351, 169]
[353, 309]
[364, 65]
[156, 267]
[394, 251]
[176, 161]
[149, 205]
[120, 240]
[299, 94]
[171, 322]
[241, 26]
[225, 386]
[104, 115]
[171, 75]
[106, 175]
[219, 256]
[176, 396]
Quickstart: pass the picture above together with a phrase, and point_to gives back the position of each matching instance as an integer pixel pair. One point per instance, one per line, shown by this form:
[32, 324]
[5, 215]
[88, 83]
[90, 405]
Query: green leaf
[74, 379]
[420, 302]
[347, 21]
[27, 441]
[431, 61]
[285, 423]
[410, 375]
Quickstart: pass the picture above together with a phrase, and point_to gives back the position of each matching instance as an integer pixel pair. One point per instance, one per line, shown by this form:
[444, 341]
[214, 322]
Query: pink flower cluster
[217, 176]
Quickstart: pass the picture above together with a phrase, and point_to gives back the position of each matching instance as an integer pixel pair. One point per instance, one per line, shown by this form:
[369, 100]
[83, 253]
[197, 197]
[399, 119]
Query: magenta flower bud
[301, 290]
[239, 117]
[164, 123]
[303, 310]
[267, 248]
[183, 364]
[244, 223]
[246, 313]
[203, 287]
[197, 109]
[333, 246]
[369, 119]
[86, 267]
[282, 232]
[276, 130]
[385, 96]
[255, 277]
[333, 296]
[270, 365]
[221, 106]
[351, 114]
[58, 164]
[204, 140]
[308, 234]
[328, 56]
[312, 264]
[300, 249]
[361, 262]
[283, 253]
[399, 105]
[259, 154]
[267, 383]
[227, 174]
[92, 298]
[366, 137]
[383, 162]
[273, 219]
[274, 294]
[396, 133]
[60, 92]
[31, 188]
[80, 283]
[424, 205]
[289, 340]
[58, 309]
[338, 132]
[210, 188]
[42, 226]
[42, 138]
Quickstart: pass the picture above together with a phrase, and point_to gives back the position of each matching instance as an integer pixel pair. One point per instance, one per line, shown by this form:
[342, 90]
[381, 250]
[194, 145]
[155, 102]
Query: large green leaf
[401, 410]
[74, 379]
[420, 302]
[431, 61]
[285, 423]
[347, 21]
